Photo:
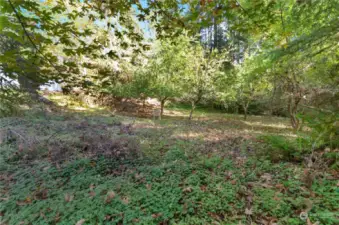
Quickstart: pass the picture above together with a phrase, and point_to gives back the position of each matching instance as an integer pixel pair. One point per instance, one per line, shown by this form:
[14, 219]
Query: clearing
[86, 166]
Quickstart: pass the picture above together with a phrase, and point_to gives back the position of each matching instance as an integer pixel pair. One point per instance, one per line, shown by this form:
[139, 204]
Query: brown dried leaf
[188, 189]
[248, 211]
[149, 186]
[21, 203]
[125, 200]
[80, 222]
[228, 175]
[203, 188]
[110, 196]
[156, 215]
[136, 220]
[266, 177]
[57, 217]
[68, 197]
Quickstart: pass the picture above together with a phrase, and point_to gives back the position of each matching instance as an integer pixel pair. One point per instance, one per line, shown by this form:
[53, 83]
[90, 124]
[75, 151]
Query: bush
[324, 130]
[278, 148]
[11, 99]
[175, 154]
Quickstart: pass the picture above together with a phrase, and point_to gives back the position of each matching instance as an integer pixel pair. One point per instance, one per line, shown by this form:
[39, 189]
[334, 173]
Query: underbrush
[278, 148]
[13, 101]
[175, 191]
[318, 146]
[96, 169]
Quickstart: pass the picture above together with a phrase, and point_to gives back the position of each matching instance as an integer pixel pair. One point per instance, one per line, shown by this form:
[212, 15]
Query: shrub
[324, 130]
[11, 99]
[278, 148]
[175, 154]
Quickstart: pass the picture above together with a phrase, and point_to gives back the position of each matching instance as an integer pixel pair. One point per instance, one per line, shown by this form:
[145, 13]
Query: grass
[88, 167]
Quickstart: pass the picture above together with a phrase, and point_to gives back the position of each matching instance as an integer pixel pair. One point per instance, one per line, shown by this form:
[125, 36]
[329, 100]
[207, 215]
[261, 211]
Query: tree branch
[29, 37]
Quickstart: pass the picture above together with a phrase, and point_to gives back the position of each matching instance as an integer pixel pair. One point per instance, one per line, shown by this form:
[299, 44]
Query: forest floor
[83, 165]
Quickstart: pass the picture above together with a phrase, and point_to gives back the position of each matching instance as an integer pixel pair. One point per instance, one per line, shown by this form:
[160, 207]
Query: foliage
[205, 70]
[171, 181]
[12, 99]
[279, 148]
[324, 130]
[168, 66]
[274, 57]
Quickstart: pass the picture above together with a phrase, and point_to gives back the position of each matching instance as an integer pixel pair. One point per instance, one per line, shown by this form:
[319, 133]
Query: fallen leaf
[266, 185]
[280, 186]
[266, 177]
[21, 203]
[69, 197]
[80, 222]
[188, 189]
[125, 200]
[110, 196]
[107, 217]
[57, 217]
[138, 176]
[42, 194]
[248, 211]
[156, 215]
[28, 200]
[203, 188]
[42, 214]
[276, 198]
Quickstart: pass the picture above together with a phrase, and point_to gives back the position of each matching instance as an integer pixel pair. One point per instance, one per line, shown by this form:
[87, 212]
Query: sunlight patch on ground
[188, 135]
[263, 124]
[79, 108]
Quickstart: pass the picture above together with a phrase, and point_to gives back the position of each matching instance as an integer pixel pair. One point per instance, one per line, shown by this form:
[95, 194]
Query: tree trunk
[192, 110]
[162, 104]
[293, 103]
[215, 32]
[245, 112]
[245, 105]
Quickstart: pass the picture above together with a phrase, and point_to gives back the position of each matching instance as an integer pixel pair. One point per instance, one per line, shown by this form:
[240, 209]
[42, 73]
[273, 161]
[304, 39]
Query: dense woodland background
[275, 59]
[262, 57]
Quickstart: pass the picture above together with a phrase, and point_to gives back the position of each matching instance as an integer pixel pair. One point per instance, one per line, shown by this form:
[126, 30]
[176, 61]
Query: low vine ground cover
[88, 167]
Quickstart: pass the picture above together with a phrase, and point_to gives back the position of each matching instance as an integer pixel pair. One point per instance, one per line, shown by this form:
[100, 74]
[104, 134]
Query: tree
[205, 68]
[47, 25]
[168, 68]
[251, 81]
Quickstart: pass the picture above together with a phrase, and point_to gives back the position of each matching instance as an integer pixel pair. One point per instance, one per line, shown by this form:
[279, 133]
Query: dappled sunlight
[168, 112]
[188, 135]
[78, 108]
[264, 124]
[175, 113]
